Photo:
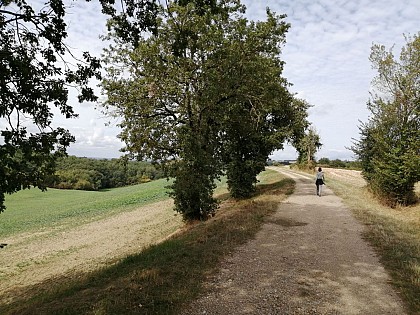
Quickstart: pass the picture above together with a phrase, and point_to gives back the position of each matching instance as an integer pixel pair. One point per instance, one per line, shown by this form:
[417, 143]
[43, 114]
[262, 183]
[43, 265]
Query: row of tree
[204, 96]
[94, 174]
[389, 146]
[337, 163]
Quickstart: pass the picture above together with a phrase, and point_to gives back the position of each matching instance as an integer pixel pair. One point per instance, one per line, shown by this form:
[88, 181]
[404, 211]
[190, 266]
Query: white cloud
[326, 56]
[96, 142]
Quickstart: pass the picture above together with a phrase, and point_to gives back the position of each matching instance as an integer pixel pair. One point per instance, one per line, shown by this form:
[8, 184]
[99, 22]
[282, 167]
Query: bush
[83, 184]
[192, 191]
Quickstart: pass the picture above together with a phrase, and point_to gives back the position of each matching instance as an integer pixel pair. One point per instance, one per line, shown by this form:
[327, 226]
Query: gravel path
[309, 258]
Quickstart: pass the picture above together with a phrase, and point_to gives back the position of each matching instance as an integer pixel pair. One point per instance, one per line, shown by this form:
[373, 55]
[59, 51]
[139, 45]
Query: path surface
[309, 258]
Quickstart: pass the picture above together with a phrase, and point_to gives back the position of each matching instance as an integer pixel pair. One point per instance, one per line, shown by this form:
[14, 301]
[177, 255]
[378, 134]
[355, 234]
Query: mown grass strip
[165, 277]
[395, 234]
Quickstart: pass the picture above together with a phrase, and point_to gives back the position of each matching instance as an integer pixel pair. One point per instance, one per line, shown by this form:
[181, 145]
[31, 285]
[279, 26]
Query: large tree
[389, 147]
[182, 91]
[307, 146]
[264, 115]
[170, 111]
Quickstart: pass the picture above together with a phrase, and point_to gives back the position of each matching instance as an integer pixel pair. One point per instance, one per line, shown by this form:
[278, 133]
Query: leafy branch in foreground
[34, 77]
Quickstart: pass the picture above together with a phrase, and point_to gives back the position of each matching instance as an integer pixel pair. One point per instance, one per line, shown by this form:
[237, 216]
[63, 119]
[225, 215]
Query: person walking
[319, 181]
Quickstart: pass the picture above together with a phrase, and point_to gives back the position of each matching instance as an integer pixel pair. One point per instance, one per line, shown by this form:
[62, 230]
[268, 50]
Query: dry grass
[395, 234]
[164, 277]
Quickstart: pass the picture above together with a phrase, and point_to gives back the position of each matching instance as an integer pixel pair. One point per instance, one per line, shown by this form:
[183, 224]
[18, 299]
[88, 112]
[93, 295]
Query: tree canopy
[205, 91]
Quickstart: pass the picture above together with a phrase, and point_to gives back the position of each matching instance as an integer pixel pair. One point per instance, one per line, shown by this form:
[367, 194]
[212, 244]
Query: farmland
[58, 231]
[33, 210]
[62, 231]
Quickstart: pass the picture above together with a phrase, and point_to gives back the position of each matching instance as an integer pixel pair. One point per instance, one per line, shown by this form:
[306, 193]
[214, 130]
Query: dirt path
[309, 258]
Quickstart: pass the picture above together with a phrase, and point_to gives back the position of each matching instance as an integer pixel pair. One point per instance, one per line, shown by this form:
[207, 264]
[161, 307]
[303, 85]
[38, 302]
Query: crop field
[33, 210]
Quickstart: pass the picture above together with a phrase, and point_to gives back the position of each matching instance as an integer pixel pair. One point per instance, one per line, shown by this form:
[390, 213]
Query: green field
[33, 210]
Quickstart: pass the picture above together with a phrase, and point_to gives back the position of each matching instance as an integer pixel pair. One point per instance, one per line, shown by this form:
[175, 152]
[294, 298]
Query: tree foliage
[34, 77]
[307, 146]
[264, 114]
[205, 91]
[389, 145]
[95, 174]
[169, 108]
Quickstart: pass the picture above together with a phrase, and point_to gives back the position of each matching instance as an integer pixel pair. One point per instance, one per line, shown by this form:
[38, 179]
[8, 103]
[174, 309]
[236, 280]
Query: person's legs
[320, 190]
[317, 189]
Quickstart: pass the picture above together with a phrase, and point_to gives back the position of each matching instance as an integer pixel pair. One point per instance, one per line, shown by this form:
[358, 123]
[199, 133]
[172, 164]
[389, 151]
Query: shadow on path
[309, 258]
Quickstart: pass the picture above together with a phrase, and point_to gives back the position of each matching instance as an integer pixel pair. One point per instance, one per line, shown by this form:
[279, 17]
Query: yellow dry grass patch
[395, 232]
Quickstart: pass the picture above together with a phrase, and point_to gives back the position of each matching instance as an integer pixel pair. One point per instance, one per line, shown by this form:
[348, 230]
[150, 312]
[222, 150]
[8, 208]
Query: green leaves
[32, 65]
[390, 141]
[204, 95]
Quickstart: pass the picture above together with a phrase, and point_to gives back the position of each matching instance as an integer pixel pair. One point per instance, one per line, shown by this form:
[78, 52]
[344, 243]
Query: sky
[327, 61]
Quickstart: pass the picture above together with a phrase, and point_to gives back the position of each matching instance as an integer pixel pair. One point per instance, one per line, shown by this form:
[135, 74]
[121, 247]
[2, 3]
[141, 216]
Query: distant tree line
[323, 162]
[93, 174]
[337, 163]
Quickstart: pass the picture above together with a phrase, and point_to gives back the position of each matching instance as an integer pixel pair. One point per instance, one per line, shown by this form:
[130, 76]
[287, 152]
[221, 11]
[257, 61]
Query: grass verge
[165, 277]
[395, 234]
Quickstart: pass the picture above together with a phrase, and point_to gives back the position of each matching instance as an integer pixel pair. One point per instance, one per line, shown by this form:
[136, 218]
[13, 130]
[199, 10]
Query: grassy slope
[33, 210]
[162, 278]
[395, 234]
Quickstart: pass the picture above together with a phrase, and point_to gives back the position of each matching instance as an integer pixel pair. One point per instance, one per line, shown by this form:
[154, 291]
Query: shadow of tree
[159, 280]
